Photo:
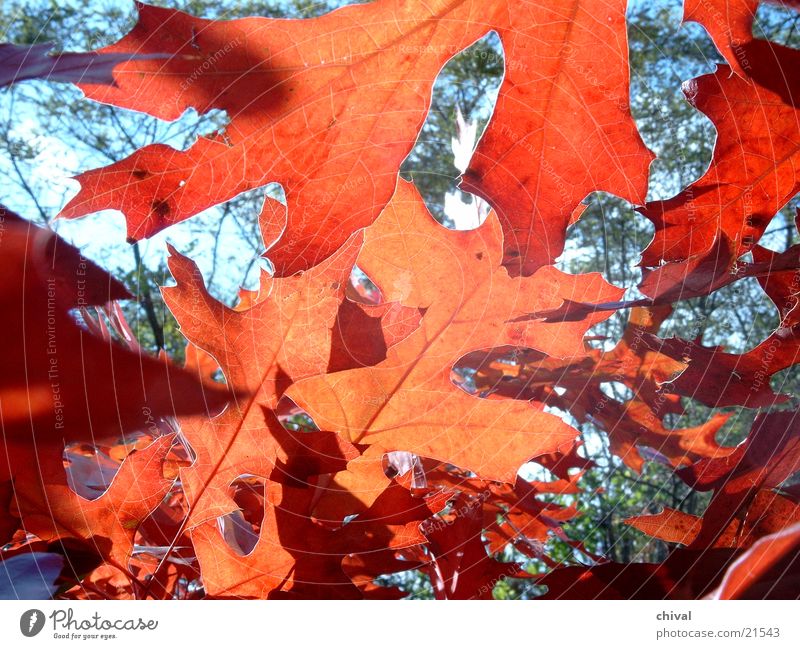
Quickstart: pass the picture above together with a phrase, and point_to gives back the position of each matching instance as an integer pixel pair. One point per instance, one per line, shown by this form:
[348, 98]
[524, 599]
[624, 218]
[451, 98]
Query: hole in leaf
[362, 289]
[463, 99]
[293, 417]
[409, 584]
[534, 471]
[617, 390]
[607, 236]
[501, 371]
[227, 243]
[89, 470]
[241, 528]
[400, 463]
[157, 533]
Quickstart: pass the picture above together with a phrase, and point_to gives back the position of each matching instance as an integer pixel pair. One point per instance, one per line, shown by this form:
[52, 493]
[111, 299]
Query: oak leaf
[768, 570]
[408, 402]
[330, 107]
[750, 178]
[730, 25]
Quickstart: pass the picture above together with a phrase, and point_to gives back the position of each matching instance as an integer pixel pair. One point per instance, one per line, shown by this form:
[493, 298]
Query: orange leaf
[409, 402]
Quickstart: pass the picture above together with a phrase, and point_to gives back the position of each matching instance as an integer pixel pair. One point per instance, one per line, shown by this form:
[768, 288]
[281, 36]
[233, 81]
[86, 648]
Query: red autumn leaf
[782, 286]
[670, 525]
[296, 557]
[685, 574]
[51, 510]
[79, 281]
[751, 176]
[409, 402]
[635, 424]
[695, 277]
[432, 387]
[768, 570]
[42, 405]
[44, 350]
[636, 365]
[361, 569]
[460, 567]
[295, 327]
[730, 24]
[508, 514]
[287, 333]
[561, 463]
[630, 424]
[706, 273]
[768, 513]
[330, 107]
[769, 455]
[718, 378]
[562, 127]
